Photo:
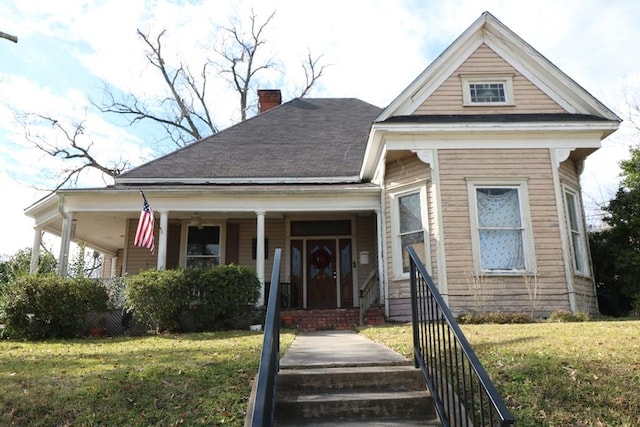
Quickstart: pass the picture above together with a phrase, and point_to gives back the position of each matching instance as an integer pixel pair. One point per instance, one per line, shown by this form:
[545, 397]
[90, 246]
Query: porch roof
[100, 214]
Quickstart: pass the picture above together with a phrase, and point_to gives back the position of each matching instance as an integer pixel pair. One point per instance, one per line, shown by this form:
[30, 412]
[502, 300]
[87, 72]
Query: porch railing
[462, 392]
[265, 400]
[369, 294]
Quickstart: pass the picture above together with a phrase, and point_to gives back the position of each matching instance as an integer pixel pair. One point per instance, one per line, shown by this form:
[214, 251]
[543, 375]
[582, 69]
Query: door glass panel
[346, 273]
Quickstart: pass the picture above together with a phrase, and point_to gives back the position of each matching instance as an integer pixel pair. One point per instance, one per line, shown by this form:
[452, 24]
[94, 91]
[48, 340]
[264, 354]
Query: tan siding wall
[447, 99]
[584, 287]
[139, 259]
[366, 241]
[399, 173]
[108, 261]
[501, 292]
[274, 232]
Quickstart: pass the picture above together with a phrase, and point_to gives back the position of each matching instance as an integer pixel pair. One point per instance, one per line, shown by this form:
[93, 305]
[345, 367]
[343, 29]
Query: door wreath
[320, 259]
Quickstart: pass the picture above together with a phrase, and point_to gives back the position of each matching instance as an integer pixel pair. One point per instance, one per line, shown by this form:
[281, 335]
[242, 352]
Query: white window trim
[505, 79]
[581, 231]
[525, 216]
[396, 246]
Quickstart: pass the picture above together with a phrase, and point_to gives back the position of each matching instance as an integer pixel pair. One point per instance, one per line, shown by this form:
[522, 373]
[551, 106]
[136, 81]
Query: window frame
[504, 79]
[186, 244]
[397, 248]
[579, 232]
[520, 184]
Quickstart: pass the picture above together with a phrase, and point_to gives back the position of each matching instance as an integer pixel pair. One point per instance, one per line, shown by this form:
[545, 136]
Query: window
[409, 230]
[203, 246]
[487, 90]
[502, 236]
[576, 232]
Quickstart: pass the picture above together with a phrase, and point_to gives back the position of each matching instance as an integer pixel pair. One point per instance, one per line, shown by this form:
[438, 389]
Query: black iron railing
[462, 392]
[266, 382]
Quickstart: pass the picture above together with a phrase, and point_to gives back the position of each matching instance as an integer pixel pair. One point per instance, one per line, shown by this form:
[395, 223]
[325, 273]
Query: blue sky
[375, 48]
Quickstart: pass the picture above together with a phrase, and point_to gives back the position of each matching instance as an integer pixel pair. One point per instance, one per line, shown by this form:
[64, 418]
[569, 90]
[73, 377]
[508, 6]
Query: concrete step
[364, 395]
[355, 405]
[390, 422]
[401, 377]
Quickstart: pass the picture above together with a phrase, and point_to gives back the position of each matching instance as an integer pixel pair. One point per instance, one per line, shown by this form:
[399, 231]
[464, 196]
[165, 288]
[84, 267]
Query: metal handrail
[266, 382]
[461, 389]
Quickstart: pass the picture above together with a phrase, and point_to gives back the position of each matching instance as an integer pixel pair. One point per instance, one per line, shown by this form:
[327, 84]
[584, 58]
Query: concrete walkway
[338, 349]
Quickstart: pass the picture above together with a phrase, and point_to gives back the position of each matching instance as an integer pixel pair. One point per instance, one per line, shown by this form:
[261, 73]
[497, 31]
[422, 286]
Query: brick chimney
[268, 98]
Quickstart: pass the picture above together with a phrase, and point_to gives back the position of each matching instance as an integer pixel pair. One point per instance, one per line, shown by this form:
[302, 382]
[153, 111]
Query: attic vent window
[487, 90]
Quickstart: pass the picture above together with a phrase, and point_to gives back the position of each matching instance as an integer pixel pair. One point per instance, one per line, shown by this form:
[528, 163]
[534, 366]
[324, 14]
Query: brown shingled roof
[304, 138]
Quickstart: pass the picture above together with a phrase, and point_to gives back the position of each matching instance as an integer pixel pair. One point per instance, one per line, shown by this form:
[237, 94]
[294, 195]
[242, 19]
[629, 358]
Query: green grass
[554, 374]
[169, 380]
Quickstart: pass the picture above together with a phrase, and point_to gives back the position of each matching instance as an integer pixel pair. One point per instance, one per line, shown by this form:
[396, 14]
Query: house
[476, 165]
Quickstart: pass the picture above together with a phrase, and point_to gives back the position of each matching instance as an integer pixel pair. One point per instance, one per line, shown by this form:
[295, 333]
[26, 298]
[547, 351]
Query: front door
[321, 273]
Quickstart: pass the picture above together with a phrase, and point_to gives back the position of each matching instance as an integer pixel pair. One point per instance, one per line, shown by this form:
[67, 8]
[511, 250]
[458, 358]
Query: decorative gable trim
[519, 54]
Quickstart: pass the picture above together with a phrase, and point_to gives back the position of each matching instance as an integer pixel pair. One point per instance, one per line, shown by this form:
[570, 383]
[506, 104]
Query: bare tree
[312, 72]
[239, 52]
[75, 149]
[184, 114]
[8, 37]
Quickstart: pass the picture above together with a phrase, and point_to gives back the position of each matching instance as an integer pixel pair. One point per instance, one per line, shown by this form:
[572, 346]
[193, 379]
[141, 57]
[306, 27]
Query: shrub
[157, 298]
[494, 317]
[220, 298]
[227, 296]
[562, 316]
[49, 306]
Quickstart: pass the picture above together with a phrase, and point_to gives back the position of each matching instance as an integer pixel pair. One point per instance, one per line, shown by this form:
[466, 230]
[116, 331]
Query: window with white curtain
[501, 237]
[576, 231]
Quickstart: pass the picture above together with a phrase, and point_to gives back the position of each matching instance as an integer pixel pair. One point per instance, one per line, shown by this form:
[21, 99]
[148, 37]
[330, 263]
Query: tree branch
[8, 37]
[312, 72]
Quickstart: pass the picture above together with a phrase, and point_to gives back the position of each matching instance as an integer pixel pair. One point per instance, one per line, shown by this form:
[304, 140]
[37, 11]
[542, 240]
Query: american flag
[144, 234]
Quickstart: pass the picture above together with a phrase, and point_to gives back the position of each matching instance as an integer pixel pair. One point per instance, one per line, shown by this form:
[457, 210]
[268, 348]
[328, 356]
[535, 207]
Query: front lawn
[550, 374]
[169, 380]
[554, 374]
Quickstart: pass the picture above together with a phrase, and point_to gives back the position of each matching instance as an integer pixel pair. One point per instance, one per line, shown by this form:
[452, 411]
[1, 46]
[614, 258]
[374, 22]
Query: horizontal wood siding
[366, 241]
[584, 287]
[139, 259]
[400, 172]
[447, 99]
[501, 293]
[274, 232]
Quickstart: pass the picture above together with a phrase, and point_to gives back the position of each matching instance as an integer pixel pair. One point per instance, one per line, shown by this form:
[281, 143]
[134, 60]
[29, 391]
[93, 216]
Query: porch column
[114, 263]
[65, 241]
[260, 253]
[162, 244]
[35, 250]
[381, 280]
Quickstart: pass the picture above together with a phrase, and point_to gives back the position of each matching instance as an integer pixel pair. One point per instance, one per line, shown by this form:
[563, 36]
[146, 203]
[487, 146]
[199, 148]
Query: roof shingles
[306, 138]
